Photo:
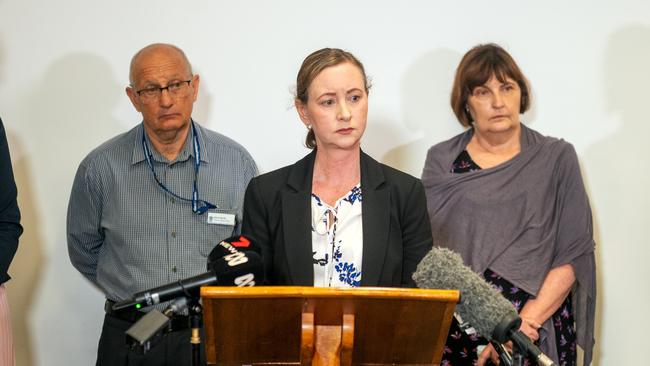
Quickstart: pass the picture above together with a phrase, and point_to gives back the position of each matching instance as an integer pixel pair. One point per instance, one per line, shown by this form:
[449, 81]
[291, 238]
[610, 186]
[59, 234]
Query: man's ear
[195, 84]
[133, 97]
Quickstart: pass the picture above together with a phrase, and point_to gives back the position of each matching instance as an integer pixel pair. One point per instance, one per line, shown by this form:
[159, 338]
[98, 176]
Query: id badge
[220, 218]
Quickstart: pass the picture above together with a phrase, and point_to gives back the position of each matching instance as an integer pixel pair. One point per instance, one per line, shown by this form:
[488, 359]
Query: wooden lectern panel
[264, 325]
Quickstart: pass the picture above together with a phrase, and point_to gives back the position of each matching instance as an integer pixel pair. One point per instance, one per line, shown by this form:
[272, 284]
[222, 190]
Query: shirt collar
[186, 152]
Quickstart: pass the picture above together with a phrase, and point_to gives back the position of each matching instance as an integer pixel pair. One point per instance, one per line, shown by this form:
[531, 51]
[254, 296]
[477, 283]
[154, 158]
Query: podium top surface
[315, 292]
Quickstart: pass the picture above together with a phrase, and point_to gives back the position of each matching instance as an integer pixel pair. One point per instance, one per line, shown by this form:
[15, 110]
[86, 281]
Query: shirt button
[174, 269]
[172, 200]
[173, 234]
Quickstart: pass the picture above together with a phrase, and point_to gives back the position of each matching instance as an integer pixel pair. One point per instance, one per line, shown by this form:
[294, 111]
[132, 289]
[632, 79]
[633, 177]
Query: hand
[530, 327]
[488, 353]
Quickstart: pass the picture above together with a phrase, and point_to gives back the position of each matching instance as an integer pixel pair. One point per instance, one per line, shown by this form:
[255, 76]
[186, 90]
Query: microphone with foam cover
[482, 306]
[229, 249]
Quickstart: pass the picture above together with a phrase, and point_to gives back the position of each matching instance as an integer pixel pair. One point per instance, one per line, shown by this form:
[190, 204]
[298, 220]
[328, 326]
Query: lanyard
[199, 206]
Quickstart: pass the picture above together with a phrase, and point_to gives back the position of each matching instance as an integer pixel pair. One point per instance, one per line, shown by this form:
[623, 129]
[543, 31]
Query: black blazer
[396, 231]
[10, 228]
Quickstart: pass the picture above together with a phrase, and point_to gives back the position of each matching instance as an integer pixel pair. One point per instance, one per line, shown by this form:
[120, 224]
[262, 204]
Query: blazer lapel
[375, 218]
[296, 221]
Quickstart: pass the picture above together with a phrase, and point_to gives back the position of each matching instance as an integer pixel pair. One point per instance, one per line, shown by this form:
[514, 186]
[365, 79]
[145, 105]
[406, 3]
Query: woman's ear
[301, 108]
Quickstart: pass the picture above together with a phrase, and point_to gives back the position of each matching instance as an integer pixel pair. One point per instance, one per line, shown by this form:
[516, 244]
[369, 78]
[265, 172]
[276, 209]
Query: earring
[466, 108]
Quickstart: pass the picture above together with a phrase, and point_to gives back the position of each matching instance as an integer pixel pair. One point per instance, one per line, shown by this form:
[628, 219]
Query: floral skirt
[460, 348]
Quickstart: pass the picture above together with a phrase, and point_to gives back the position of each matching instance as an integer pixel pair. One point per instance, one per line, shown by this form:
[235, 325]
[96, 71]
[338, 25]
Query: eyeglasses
[175, 89]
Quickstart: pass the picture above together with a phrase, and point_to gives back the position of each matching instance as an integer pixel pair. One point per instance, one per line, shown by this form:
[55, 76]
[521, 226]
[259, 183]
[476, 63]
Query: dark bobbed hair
[476, 67]
[313, 65]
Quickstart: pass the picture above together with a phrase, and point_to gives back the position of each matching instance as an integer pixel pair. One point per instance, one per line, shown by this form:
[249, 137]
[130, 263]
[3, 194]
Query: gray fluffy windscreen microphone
[480, 305]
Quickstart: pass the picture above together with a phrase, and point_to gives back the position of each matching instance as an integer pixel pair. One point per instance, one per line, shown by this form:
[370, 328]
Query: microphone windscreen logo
[242, 242]
[245, 280]
[236, 259]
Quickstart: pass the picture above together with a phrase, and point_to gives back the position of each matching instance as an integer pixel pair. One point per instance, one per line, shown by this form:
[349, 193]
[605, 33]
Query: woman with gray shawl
[512, 202]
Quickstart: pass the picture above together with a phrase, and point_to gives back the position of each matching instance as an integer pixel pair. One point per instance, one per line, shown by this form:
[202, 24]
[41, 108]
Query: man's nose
[165, 99]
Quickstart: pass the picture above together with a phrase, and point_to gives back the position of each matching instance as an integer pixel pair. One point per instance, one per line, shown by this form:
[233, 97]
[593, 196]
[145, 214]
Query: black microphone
[229, 249]
[238, 253]
[508, 329]
[491, 314]
[227, 266]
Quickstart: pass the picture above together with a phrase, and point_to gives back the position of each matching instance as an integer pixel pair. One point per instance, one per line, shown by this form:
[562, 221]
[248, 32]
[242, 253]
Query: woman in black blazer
[337, 217]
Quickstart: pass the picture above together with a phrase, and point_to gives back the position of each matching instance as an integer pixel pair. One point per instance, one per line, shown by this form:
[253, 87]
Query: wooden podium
[326, 326]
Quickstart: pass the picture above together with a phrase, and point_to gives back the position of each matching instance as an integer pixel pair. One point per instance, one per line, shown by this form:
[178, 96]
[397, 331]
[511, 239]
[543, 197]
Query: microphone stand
[196, 315]
[504, 356]
[517, 355]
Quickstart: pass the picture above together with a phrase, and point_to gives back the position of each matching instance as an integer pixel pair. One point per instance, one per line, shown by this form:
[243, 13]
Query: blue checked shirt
[126, 234]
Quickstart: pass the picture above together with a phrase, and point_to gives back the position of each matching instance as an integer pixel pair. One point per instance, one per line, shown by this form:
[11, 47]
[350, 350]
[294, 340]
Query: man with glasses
[148, 206]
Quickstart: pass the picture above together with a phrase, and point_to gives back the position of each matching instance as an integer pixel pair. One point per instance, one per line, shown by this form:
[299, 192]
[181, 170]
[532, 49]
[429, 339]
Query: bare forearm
[554, 290]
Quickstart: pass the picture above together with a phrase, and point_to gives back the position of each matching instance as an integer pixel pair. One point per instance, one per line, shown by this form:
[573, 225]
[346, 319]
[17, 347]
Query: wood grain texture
[265, 325]
[347, 339]
[307, 339]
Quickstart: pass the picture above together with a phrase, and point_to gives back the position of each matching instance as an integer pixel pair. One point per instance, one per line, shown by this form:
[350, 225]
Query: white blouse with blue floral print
[337, 240]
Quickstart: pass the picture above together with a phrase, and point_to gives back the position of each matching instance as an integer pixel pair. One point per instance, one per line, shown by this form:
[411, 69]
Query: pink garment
[6, 339]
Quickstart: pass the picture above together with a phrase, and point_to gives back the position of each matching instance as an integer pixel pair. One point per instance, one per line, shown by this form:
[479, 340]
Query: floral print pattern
[337, 240]
[464, 163]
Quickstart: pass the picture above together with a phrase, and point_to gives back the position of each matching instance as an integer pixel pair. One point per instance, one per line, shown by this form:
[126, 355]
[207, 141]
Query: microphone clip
[147, 332]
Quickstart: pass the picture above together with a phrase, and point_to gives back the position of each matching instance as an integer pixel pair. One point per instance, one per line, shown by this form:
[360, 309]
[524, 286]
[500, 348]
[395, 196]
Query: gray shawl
[521, 219]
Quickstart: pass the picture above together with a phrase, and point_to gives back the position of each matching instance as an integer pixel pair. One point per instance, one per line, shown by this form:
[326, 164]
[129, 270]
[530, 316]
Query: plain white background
[64, 66]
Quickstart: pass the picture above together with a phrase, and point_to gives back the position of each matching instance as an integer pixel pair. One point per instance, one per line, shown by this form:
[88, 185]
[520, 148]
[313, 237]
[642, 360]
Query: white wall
[64, 64]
